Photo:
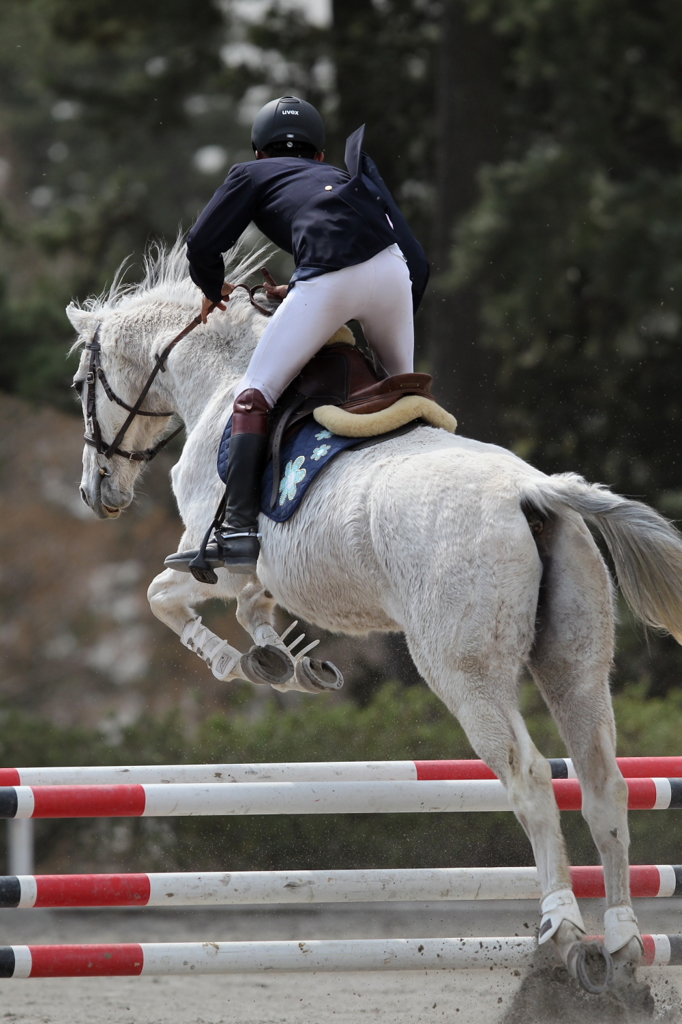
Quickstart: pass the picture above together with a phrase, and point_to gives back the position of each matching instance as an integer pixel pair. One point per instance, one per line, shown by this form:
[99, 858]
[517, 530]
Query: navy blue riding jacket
[326, 218]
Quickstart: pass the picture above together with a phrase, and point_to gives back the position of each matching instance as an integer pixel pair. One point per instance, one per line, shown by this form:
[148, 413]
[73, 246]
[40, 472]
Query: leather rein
[93, 435]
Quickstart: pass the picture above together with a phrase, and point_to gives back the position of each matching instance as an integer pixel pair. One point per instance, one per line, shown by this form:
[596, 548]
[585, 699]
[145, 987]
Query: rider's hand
[276, 291]
[272, 289]
[207, 306]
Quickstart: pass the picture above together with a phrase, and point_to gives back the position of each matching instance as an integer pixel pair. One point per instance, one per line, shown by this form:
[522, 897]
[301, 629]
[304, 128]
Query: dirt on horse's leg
[571, 661]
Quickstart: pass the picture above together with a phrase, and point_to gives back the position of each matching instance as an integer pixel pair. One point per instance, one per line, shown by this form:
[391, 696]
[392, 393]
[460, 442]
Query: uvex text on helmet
[287, 119]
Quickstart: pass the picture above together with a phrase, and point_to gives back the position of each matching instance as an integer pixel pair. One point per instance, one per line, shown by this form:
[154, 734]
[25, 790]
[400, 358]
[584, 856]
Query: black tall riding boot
[238, 538]
[236, 544]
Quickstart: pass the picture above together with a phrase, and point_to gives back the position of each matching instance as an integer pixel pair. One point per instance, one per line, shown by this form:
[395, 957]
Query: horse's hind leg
[570, 662]
[484, 699]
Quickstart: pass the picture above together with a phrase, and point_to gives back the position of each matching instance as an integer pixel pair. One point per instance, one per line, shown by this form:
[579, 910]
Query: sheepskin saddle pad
[337, 403]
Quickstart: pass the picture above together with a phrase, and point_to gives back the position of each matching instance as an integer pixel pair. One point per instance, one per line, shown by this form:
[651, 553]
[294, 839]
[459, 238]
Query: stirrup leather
[559, 906]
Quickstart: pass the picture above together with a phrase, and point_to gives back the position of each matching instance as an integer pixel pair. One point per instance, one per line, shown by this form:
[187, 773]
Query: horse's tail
[645, 547]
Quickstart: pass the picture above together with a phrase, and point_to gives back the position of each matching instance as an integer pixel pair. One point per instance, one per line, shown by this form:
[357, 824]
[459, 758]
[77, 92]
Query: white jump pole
[20, 846]
[222, 888]
[187, 958]
[308, 771]
[233, 888]
[187, 800]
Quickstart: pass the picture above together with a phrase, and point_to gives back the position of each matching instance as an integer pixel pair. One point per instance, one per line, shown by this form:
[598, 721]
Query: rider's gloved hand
[207, 306]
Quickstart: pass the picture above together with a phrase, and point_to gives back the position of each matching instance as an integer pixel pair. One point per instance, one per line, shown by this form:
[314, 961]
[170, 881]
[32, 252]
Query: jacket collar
[354, 151]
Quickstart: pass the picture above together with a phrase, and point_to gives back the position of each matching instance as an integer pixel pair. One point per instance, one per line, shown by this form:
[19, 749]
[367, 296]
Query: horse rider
[356, 259]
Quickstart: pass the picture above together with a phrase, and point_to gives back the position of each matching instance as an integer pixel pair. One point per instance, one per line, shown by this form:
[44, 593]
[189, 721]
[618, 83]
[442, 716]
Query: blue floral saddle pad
[303, 456]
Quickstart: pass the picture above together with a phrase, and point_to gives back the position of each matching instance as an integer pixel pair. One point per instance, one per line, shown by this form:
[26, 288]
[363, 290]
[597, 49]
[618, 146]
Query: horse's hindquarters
[416, 534]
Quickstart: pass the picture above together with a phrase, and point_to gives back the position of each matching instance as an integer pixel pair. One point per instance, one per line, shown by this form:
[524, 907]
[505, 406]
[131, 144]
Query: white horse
[484, 563]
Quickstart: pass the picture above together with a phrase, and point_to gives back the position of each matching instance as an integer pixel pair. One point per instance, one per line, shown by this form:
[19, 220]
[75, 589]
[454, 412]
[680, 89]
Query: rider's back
[299, 205]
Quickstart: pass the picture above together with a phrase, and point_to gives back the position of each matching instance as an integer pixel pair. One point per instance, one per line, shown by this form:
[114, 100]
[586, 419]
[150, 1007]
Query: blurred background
[535, 149]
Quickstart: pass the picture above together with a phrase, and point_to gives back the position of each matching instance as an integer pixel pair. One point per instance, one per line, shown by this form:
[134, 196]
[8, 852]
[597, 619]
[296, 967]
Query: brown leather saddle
[341, 375]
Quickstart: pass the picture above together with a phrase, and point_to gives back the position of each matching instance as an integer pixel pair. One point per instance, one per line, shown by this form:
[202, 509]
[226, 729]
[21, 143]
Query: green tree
[573, 255]
[471, 129]
[575, 247]
[117, 121]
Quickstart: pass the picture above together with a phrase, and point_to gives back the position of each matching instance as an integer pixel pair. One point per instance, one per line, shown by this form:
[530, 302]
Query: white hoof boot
[218, 655]
[557, 907]
[620, 926]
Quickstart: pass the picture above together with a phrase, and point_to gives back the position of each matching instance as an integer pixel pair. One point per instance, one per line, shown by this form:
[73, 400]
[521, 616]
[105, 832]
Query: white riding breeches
[378, 293]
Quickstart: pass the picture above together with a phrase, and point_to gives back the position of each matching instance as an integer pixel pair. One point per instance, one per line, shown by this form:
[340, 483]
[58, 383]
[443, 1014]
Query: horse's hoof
[267, 665]
[315, 676]
[585, 958]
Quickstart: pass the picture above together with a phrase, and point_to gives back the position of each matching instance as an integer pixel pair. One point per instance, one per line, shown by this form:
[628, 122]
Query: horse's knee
[254, 605]
[537, 770]
[169, 600]
[157, 590]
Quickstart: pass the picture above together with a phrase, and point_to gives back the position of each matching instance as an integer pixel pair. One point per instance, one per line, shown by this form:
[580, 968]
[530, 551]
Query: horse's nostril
[82, 494]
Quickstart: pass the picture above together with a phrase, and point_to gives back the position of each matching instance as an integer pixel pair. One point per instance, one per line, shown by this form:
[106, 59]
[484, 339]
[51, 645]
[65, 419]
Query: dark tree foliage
[471, 130]
[575, 247]
[104, 105]
[384, 60]
[102, 108]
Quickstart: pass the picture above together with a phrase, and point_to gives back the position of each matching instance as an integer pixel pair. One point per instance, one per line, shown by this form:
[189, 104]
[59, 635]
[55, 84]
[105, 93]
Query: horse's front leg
[172, 596]
[256, 613]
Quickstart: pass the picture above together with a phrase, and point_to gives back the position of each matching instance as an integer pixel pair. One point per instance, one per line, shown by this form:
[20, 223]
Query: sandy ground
[405, 997]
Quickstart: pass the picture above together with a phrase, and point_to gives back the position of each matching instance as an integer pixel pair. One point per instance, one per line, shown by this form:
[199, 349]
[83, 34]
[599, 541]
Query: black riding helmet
[287, 119]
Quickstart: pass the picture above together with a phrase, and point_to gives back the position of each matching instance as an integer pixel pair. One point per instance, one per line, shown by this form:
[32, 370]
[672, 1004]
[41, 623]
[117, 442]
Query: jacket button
[327, 188]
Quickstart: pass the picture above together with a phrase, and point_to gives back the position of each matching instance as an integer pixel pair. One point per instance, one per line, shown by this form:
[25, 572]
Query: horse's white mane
[166, 278]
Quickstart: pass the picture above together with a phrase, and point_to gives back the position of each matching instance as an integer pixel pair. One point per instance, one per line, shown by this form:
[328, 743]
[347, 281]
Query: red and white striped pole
[310, 771]
[218, 888]
[182, 958]
[184, 799]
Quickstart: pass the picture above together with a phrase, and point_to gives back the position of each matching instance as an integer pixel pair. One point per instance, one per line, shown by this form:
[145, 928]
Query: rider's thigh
[311, 313]
[387, 319]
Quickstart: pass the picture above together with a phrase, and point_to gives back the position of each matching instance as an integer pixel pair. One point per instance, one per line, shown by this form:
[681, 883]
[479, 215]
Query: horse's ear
[81, 319]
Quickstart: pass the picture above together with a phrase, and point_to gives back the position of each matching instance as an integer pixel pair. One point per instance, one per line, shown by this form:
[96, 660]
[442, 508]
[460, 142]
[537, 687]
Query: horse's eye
[78, 386]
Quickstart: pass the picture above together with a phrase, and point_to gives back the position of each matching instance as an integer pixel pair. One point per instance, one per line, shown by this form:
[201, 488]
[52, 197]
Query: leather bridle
[93, 435]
